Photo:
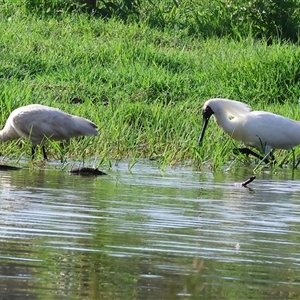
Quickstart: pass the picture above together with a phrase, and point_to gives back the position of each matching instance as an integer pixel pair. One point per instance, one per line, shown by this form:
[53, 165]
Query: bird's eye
[206, 109]
[207, 112]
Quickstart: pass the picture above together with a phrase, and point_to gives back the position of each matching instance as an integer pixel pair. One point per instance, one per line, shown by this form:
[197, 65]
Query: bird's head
[206, 113]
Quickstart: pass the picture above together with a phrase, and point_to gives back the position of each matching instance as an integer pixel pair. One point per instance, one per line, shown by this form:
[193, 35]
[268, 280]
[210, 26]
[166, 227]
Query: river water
[149, 234]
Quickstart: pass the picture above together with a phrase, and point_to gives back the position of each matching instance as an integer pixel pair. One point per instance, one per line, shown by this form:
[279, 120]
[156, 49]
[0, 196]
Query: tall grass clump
[269, 19]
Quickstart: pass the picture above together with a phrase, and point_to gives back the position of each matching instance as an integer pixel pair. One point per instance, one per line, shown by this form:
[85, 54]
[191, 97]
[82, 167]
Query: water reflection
[148, 234]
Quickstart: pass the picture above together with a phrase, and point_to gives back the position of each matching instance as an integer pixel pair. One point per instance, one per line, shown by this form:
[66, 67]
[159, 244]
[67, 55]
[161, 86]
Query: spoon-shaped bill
[207, 112]
[201, 136]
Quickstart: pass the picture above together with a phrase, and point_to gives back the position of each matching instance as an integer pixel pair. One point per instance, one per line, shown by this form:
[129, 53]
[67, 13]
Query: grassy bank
[144, 87]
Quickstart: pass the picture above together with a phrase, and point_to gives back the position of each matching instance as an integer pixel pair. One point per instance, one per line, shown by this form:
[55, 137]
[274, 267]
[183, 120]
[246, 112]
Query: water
[147, 234]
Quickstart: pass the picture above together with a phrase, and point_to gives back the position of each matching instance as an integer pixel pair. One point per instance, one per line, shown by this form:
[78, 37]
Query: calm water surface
[148, 234]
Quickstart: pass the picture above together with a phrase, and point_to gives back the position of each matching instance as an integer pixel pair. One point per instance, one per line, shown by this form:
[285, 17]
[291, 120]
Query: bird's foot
[246, 151]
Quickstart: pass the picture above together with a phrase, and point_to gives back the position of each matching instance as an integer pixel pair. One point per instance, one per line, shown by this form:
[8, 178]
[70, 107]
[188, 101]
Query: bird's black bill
[207, 112]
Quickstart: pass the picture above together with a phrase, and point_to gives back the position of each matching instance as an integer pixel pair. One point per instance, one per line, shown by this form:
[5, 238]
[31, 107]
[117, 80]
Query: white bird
[38, 123]
[259, 129]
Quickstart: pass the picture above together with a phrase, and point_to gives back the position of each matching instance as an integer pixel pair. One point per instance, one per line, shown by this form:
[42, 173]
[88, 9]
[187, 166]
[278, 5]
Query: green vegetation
[144, 78]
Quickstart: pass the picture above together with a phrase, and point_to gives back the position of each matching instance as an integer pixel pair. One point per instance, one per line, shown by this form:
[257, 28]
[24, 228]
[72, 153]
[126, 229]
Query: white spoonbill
[38, 123]
[260, 129]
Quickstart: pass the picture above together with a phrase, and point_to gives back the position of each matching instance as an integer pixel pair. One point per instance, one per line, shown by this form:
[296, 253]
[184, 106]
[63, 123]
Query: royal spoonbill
[259, 129]
[38, 123]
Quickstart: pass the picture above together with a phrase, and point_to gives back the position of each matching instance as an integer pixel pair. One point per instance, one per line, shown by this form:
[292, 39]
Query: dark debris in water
[87, 171]
[245, 183]
[9, 168]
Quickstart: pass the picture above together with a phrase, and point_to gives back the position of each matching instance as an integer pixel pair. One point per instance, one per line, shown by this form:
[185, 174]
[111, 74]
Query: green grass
[142, 86]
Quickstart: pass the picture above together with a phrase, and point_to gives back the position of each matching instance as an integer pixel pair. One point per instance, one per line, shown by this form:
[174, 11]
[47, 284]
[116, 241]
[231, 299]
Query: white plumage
[37, 122]
[259, 129]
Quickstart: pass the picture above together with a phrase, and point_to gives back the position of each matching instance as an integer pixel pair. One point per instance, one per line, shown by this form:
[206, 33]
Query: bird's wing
[263, 128]
[52, 123]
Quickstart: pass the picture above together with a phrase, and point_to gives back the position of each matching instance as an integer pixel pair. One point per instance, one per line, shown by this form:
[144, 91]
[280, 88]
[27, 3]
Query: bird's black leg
[32, 152]
[44, 153]
[272, 157]
[62, 151]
